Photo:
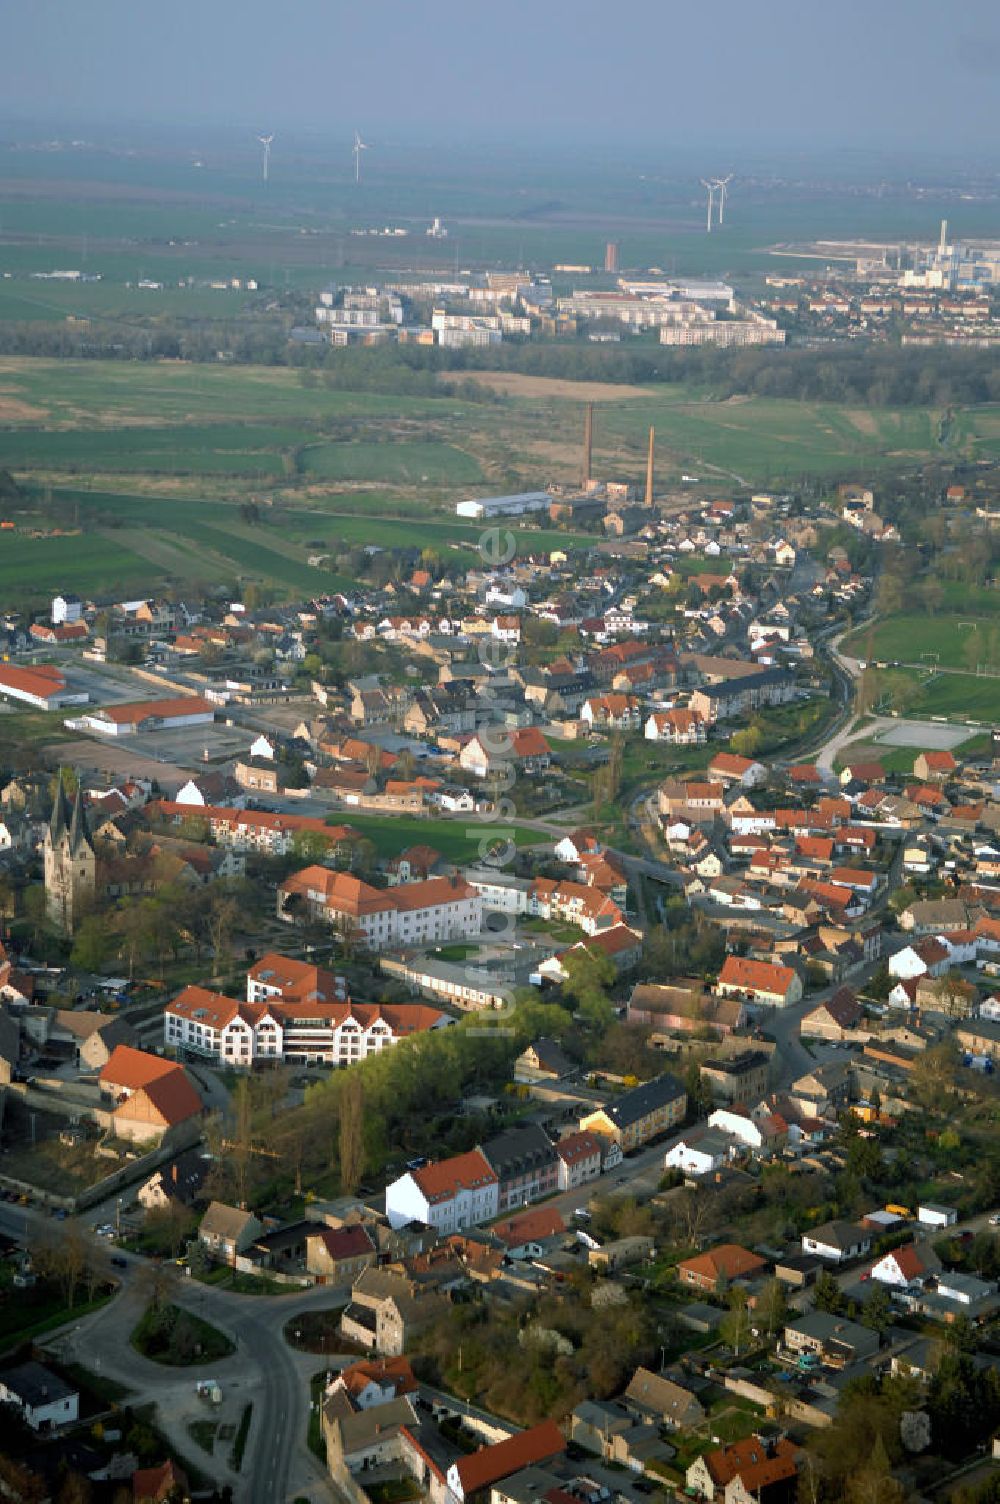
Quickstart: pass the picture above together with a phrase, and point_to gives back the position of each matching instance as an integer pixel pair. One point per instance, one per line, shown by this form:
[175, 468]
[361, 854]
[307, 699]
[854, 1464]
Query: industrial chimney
[588, 442]
[649, 468]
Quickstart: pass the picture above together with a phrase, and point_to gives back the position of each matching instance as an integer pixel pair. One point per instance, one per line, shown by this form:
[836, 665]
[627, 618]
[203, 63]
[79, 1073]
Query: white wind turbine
[358, 148]
[265, 142]
[721, 184]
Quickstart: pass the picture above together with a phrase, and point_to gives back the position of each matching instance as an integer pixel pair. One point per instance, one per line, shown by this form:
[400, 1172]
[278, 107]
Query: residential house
[731, 769]
[668, 1403]
[639, 1115]
[177, 1183]
[700, 1151]
[761, 1133]
[753, 1471]
[152, 1097]
[543, 1060]
[388, 1310]
[579, 1155]
[451, 1194]
[228, 1231]
[525, 1163]
[835, 1340]
[477, 1472]
[679, 727]
[759, 981]
[422, 913]
[720, 1266]
[45, 1399]
[737, 1078]
[835, 1019]
[908, 1265]
[526, 750]
[837, 1241]
[337, 1255]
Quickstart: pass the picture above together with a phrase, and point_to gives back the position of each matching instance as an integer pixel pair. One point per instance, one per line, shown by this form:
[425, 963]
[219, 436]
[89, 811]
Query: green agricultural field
[410, 464]
[760, 438]
[89, 563]
[94, 393]
[218, 448]
[962, 641]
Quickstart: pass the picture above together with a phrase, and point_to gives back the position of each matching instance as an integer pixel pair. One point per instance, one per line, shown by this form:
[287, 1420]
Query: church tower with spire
[70, 863]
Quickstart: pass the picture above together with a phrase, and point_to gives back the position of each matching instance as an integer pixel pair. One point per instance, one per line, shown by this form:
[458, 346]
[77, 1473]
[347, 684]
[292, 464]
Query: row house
[256, 829]
[525, 1163]
[740, 697]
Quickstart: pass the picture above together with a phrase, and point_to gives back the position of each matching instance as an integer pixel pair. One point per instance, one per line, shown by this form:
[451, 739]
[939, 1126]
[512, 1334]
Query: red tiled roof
[345, 1242]
[730, 763]
[753, 1463]
[43, 681]
[140, 710]
[578, 1146]
[171, 1095]
[441, 1180]
[529, 1226]
[157, 1483]
[480, 1469]
[132, 1069]
[908, 1261]
[757, 976]
[396, 1371]
[728, 1261]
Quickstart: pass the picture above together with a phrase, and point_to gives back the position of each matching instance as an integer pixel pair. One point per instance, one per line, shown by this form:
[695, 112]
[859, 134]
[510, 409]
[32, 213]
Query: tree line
[862, 375]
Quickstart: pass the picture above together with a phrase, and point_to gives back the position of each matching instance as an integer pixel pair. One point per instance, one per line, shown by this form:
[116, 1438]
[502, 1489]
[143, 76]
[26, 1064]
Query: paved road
[278, 1465]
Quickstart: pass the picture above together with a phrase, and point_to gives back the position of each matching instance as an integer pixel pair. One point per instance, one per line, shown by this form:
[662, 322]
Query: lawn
[457, 840]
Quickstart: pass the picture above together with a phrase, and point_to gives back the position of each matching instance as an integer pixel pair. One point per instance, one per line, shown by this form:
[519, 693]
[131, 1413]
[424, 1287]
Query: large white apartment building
[294, 1013]
[424, 913]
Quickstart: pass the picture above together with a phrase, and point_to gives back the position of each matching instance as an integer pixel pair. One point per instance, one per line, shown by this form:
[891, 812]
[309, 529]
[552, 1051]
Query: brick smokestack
[649, 468]
[588, 441]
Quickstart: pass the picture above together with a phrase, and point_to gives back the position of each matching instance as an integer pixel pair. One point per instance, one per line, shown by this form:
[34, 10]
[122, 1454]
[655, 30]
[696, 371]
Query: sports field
[961, 639]
[967, 698]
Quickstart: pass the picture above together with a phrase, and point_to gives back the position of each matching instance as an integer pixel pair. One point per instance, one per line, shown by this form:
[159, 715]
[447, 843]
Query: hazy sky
[882, 73]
